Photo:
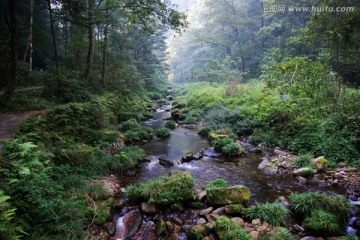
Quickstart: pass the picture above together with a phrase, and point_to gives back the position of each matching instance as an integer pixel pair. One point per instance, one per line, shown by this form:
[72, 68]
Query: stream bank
[238, 170]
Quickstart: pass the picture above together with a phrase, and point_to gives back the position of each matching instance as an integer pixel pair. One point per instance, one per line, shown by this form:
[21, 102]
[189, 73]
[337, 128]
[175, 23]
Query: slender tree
[13, 53]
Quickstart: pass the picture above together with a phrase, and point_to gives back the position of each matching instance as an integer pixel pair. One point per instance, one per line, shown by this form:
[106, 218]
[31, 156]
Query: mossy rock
[197, 205]
[237, 209]
[305, 172]
[188, 157]
[165, 162]
[217, 183]
[160, 228]
[215, 136]
[197, 232]
[319, 164]
[228, 195]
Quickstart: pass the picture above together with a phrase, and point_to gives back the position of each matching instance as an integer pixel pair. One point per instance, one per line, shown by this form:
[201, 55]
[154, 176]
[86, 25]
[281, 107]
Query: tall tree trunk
[31, 35]
[91, 36]
[53, 33]
[103, 69]
[58, 80]
[13, 54]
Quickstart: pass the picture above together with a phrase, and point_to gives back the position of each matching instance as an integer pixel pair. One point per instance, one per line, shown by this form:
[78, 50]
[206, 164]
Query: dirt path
[10, 122]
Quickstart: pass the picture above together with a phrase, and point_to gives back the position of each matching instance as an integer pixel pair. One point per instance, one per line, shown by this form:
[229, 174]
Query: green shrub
[119, 162]
[321, 222]
[190, 119]
[302, 160]
[283, 234]
[233, 150]
[103, 212]
[303, 204]
[205, 131]
[219, 144]
[168, 189]
[227, 229]
[217, 183]
[273, 213]
[228, 147]
[170, 124]
[155, 95]
[135, 153]
[134, 132]
[78, 154]
[129, 125]
[97, 191]
[9, 229]
[162, 133]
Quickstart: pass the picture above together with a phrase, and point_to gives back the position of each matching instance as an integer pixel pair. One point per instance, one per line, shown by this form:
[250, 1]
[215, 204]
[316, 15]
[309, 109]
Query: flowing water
[240, 170]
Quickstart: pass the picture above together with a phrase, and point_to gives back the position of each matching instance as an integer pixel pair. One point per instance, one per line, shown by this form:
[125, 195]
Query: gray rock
[131, 223]
[165, 162]
[188, 157]
[219, 211]
[201, 196]
[268, 167]
[110, 227]
[308, 238]
[148, 208]
[304, 172]
[177, 220]
[206, 211]
[201, 221]
[298, 228]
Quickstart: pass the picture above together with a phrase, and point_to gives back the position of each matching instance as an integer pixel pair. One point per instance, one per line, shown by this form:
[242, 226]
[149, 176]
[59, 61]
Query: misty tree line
[234, 37]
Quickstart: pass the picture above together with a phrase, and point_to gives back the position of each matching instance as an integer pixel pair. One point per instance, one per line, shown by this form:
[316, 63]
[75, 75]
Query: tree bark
[53, 34]
[13, 54]
[29, 45]
[103, 69]
[91, 47]
[31, 35]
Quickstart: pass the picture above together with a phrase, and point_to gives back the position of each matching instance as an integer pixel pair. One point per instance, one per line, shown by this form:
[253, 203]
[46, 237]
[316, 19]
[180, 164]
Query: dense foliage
[317, 125]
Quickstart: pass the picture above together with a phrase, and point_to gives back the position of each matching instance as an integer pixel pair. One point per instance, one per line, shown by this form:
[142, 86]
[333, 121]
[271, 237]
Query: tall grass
[273, 213]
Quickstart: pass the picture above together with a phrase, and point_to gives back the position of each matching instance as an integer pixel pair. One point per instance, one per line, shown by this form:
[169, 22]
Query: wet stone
[110, 227]
[160, 228]
[177, 220]
[206, 211]
[219, 211]
[148, 208]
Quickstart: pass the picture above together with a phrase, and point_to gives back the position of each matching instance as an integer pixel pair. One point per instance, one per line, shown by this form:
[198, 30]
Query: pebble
[256, 222]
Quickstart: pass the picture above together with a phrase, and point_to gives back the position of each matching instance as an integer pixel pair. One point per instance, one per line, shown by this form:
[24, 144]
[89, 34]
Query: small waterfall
[187, 166]
[152, 164]
[349, 229]
[120, 228]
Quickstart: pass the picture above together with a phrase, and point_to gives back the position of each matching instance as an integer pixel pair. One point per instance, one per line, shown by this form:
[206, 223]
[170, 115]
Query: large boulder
[228, 195]
[268, 167]
[129, 225]
[319, 164]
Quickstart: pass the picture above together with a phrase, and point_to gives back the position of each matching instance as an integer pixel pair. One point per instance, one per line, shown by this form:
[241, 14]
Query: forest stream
[240, 170]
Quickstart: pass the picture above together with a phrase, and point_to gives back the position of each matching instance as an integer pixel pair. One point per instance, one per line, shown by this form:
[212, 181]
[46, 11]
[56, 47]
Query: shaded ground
[10, 122]
[23, 89]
